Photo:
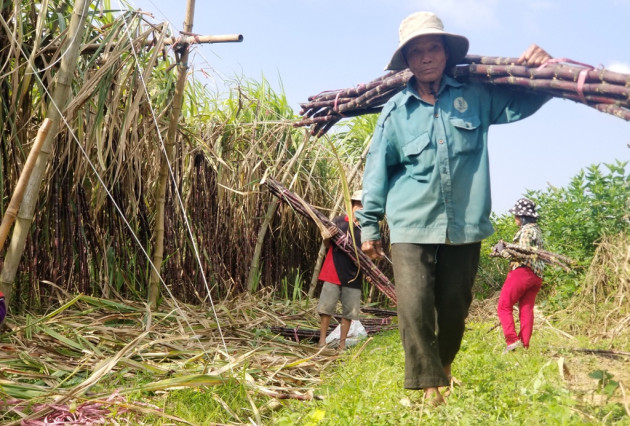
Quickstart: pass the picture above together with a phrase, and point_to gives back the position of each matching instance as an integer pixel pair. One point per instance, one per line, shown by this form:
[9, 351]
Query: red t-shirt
[338, 267]
[328, 271]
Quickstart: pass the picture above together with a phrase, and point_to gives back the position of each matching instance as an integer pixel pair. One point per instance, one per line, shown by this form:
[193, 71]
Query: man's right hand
[373, 249]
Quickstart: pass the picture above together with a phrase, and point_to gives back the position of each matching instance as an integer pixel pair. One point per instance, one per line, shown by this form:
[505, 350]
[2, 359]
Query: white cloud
[622, 67]
[464, 14]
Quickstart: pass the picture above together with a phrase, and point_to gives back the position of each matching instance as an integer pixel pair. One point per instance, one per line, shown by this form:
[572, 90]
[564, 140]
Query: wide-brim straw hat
[356, 196]
[427, 23]
[524, 207]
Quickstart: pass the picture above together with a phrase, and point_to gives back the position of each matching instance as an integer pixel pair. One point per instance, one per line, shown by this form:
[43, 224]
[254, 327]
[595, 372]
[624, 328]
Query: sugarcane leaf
[184, 381]
[63, 339]
[22, 391]
[104, 303]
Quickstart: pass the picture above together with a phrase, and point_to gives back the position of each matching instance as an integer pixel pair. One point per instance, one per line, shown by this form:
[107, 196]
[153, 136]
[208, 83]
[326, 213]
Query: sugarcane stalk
[532, 253]
[340, 239]
[597, 88]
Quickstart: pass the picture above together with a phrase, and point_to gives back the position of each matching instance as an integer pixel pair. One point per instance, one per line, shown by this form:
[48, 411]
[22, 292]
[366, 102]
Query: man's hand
[373, 249]
[329, 232]
[497, 249]
[534, 56]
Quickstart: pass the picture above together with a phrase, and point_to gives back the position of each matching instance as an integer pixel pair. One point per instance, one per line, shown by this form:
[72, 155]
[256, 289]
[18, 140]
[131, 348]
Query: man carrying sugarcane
[428, 171]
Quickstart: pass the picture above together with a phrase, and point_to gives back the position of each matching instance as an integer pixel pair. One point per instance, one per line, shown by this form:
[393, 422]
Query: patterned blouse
[530, 236]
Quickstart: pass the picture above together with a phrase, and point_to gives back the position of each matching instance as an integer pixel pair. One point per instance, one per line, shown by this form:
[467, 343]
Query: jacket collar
[410, 92]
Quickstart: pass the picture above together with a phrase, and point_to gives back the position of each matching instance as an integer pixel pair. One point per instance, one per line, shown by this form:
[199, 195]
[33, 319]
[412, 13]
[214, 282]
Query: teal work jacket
[427, 169]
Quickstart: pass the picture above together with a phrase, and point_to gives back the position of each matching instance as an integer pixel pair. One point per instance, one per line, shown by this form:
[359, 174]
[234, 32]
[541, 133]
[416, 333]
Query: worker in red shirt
[342, 279]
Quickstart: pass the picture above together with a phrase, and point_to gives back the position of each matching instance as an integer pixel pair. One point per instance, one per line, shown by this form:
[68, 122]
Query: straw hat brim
[457, 48]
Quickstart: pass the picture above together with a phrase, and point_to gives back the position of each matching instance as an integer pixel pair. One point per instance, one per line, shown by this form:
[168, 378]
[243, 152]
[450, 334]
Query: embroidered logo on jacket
[460, 104]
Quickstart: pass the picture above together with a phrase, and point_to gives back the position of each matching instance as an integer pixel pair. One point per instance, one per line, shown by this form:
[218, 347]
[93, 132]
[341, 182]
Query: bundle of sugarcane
[298, 334]
[369, 269]
[370, 322]
[379, 312]
[518, 252]
[604, 90]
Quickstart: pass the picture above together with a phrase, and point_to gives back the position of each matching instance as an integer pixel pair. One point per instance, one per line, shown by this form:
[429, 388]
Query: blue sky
[308, 46]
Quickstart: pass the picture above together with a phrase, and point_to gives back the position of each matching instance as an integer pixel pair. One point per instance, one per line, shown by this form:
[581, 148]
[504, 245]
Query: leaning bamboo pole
[60, 97]
[254, 268]
[602, 89]
[18, 193]
[165, 164]
[340, 239]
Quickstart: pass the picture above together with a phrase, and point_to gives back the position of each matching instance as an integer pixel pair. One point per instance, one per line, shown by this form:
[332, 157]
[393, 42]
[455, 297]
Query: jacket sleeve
[375, 183]
[509, 105]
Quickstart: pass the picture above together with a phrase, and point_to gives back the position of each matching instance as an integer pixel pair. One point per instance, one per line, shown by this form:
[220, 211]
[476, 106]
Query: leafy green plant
[292, 290]
[604, 381]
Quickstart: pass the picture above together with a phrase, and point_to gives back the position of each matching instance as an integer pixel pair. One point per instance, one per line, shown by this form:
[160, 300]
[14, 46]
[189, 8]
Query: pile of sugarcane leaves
[602, 89]
[59, 367]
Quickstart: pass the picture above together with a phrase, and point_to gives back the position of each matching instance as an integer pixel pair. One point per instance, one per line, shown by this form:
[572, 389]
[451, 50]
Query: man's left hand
[534, 56]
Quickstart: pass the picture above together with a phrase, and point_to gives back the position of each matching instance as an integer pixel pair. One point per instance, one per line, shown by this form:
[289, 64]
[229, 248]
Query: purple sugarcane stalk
[604, 90]
[341, 240]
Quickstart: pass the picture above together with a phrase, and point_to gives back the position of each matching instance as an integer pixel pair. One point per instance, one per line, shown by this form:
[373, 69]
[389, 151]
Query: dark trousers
[433, 285]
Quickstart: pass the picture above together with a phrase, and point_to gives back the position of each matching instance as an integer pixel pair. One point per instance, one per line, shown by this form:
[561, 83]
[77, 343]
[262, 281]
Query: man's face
[426, 58]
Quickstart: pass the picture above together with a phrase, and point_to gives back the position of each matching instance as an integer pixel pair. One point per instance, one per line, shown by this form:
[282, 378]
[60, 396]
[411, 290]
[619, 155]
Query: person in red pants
[524, 279]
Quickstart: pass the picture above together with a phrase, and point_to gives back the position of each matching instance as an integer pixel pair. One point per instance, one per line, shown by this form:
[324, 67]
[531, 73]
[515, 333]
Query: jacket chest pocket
[466, 134]
[419, 157]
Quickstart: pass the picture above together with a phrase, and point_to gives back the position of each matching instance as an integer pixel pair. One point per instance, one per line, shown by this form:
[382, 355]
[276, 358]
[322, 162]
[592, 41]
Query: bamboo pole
[60, 97]
[169, 145]
[167, 159]
[90, 48]
[18, 193]
[193, 39]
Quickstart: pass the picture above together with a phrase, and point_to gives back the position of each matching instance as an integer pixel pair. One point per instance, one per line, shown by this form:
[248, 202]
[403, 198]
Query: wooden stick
[197, 39]
[603, 352]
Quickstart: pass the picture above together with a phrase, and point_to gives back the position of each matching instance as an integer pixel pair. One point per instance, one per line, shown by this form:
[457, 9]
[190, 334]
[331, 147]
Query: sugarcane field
[187, 242]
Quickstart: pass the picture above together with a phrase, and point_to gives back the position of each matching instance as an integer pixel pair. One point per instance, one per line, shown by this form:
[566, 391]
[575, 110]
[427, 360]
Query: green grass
[525, 387]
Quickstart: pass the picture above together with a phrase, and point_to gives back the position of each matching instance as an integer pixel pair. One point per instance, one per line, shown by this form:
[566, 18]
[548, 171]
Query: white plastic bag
[355, 333]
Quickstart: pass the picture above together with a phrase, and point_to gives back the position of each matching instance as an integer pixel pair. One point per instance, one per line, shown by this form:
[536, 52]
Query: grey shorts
[350, 300]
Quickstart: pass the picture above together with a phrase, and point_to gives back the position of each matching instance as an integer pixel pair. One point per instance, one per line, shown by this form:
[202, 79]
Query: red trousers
[521, 286]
